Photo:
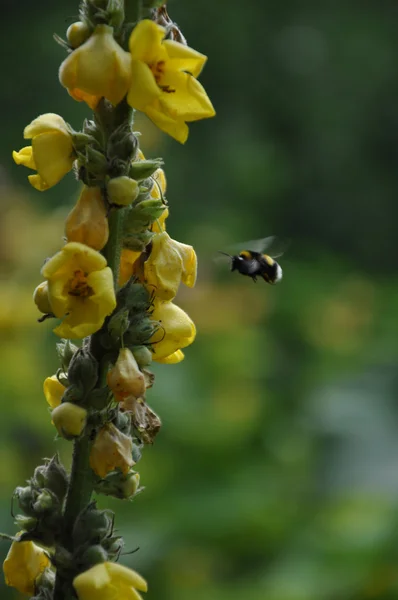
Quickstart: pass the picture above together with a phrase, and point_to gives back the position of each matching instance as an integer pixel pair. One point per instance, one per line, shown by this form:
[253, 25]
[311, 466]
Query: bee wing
[274, 246]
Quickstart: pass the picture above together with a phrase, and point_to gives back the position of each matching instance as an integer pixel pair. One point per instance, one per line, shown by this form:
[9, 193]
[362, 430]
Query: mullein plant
[110, 291]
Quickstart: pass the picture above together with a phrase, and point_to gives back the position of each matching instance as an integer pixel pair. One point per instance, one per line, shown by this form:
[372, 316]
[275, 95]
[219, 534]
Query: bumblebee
[254, 263]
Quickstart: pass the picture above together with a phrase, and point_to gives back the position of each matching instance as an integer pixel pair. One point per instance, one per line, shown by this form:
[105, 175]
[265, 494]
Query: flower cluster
[111, 287]
[158, 75]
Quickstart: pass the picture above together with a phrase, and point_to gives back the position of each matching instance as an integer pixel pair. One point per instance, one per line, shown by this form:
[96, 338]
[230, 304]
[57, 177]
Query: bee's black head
[235, 260]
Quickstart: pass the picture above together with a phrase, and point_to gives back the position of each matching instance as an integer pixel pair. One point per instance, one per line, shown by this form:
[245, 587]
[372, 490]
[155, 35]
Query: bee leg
[254, 279]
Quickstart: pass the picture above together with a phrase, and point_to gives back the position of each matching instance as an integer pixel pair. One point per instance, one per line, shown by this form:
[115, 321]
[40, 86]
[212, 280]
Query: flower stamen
[78, 285]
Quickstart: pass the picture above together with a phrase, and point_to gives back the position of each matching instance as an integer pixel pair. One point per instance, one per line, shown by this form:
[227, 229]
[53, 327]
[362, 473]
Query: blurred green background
[275, 476]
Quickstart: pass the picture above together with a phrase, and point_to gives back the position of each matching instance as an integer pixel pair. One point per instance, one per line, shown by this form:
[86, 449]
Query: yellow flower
[169, 263]
[87, 222]
[125, 378]
[163, 80]
[41, 299]
[69, 419]
[97, 68]
[80, 289]
[24, 563]
[111, 450]
[108, 581]
[51, 153]
[177, 331]
[53, 391]
[127, 262]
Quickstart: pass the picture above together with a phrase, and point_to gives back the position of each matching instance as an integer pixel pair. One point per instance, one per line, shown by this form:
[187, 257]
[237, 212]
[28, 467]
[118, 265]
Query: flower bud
[111, 450]
[69, 419]
[122, 143]
[52, 476]
[125, 378]
[87, 222]
[91, 129]
[41, 299]
[74, 394]
[142, 169]
[77, 34]
[45, 502]
[122, 191]
[115, 13]
[65, 351]
[119, 323]
[26, 523]
[143, 213]
[92, 556]
[137, 241]
[122, 421]
[91, 525]
[98, 398]
[140, 331]
[119, 485]
[142, 355]
[134, 296]
[83, 370]
[113, 545]
[94, 163]
[26, 496]
[53, 391]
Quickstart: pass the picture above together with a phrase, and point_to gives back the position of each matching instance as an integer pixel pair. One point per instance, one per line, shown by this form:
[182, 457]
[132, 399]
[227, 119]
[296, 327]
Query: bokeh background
[275, 476]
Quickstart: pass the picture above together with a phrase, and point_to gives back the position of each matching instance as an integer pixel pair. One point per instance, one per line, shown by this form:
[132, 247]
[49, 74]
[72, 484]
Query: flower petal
[53, 391]
[145, 42]
[177, 128]
[87, 259]
[178, 330]
[172, 359]
[81, 96]
[48, 122]
[38, 183]
[53, 156]
[143, 89]
[184, 58]
[127, 576]
[188, 100]
[25, 157]
[83, 320]
[101, 283]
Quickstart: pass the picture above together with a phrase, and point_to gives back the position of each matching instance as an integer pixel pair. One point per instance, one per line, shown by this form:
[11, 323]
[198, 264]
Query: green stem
[113, 248]
[133, 10]
[80, 487]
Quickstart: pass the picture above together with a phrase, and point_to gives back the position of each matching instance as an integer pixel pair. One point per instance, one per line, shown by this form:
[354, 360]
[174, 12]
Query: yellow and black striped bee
[254, 263]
